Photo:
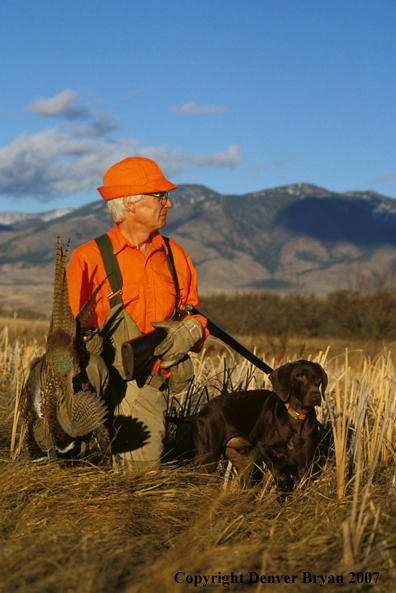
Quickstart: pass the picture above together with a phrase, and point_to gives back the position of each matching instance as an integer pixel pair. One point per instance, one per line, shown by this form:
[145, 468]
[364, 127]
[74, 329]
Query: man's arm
[188, 285]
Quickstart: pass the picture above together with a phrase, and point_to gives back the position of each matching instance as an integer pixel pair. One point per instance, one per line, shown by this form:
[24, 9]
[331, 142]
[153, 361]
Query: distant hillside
[298, 237]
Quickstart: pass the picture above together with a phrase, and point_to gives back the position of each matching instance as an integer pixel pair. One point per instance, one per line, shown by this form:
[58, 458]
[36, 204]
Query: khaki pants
[136, 423]
[139, 428]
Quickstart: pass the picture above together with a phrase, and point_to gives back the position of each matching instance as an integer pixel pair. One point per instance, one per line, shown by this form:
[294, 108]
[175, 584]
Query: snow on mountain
[11, 218]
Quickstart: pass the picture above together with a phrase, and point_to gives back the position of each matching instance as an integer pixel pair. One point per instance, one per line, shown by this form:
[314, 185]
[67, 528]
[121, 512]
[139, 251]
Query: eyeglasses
[162, 197]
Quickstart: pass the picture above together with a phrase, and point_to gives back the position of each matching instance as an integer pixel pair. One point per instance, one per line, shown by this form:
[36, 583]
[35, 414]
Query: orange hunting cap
[132, 176]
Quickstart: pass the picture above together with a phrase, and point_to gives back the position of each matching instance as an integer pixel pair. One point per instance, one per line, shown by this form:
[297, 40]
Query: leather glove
[182, 336]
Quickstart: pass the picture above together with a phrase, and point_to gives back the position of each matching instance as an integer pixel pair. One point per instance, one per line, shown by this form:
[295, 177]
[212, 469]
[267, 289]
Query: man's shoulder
[173, 244]
[86, 249]
[180, 256]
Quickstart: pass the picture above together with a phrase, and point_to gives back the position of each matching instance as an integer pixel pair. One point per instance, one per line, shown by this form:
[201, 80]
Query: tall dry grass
[88, 530]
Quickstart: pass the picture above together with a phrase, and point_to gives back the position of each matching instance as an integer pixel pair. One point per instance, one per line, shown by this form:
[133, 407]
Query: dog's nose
[316, 399]
[314, 395]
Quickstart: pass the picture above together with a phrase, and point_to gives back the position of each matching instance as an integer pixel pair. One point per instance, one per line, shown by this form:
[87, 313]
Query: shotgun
[138, 352]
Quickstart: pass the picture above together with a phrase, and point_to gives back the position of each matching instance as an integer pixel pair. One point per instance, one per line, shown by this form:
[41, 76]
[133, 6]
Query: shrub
[342, 314]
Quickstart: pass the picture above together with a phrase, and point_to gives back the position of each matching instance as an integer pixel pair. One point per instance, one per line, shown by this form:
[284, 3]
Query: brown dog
[280, 427]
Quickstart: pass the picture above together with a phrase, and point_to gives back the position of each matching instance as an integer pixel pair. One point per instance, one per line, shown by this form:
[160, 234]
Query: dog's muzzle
[315, 397]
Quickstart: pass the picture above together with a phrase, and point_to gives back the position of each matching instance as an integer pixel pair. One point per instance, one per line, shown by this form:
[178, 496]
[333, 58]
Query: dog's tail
[181, 419]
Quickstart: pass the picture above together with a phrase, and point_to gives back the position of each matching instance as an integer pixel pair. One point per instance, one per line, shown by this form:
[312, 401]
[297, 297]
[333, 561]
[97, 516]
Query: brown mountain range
[298, 237]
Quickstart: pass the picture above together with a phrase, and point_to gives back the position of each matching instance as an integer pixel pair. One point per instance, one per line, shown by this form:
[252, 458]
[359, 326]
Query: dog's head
[303, 381]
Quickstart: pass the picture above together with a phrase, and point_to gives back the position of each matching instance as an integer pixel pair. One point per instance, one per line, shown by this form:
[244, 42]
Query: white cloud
[388, 177]
[285, 162]
[194, 109]
[255, 168]
[65, 160]
[53, 163]
[67, 105]
[228, 158]
[97, 129]
[62, 105]
[56, 162]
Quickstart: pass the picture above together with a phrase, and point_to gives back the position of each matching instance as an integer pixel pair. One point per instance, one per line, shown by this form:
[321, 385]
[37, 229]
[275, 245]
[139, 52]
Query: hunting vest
[119, 327]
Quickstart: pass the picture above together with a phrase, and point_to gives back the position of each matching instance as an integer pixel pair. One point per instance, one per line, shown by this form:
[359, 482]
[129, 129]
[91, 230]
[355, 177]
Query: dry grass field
[85, 529]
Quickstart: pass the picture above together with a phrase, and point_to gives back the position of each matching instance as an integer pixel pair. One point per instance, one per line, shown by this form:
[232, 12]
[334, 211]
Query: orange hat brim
[119, 191]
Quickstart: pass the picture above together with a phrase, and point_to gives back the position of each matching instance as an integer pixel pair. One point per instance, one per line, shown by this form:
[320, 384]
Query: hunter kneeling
[148, 278]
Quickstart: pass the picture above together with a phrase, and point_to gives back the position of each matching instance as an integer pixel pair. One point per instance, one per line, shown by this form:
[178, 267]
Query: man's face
[151, 211]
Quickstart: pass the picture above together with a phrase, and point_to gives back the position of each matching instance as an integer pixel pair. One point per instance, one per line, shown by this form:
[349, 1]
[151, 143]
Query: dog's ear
[324, 377]
[280, 379]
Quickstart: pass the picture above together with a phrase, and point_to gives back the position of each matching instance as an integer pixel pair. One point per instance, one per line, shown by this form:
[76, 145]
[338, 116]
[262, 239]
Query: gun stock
[139, 352]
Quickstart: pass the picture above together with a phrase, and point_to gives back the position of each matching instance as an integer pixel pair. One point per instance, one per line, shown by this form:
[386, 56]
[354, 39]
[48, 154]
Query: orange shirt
[148, 292]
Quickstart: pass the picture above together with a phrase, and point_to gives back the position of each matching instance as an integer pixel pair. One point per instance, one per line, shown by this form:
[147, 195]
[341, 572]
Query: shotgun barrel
[222, 335]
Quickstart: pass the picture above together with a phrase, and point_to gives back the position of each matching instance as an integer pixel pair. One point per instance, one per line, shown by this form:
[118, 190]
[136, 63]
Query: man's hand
[182, 336]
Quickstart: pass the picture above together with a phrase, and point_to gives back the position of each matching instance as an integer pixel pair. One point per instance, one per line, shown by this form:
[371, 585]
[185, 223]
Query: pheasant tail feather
[88, 308]
[88, 412]
[62, 317]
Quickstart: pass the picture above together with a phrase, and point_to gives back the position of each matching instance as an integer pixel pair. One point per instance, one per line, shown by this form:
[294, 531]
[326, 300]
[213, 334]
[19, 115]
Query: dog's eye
[301, 376]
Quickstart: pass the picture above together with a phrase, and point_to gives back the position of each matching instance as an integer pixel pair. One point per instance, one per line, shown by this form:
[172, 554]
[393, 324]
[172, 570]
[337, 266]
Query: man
[145, 279]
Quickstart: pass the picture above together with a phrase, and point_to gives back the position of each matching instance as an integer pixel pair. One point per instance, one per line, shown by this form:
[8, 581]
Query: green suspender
[113, 269]
[171, 266]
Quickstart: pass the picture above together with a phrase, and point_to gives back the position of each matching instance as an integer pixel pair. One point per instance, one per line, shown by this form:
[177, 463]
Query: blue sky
[237, 95]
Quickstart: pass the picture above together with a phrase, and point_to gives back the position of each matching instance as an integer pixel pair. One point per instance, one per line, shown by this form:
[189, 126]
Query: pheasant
[55, 411]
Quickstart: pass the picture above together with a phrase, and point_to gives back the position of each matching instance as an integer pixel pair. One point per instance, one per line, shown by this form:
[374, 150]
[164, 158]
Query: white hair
[117, 209]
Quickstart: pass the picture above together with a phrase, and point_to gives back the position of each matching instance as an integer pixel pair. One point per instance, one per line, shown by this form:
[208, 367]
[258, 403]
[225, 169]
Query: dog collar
[300, 415]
